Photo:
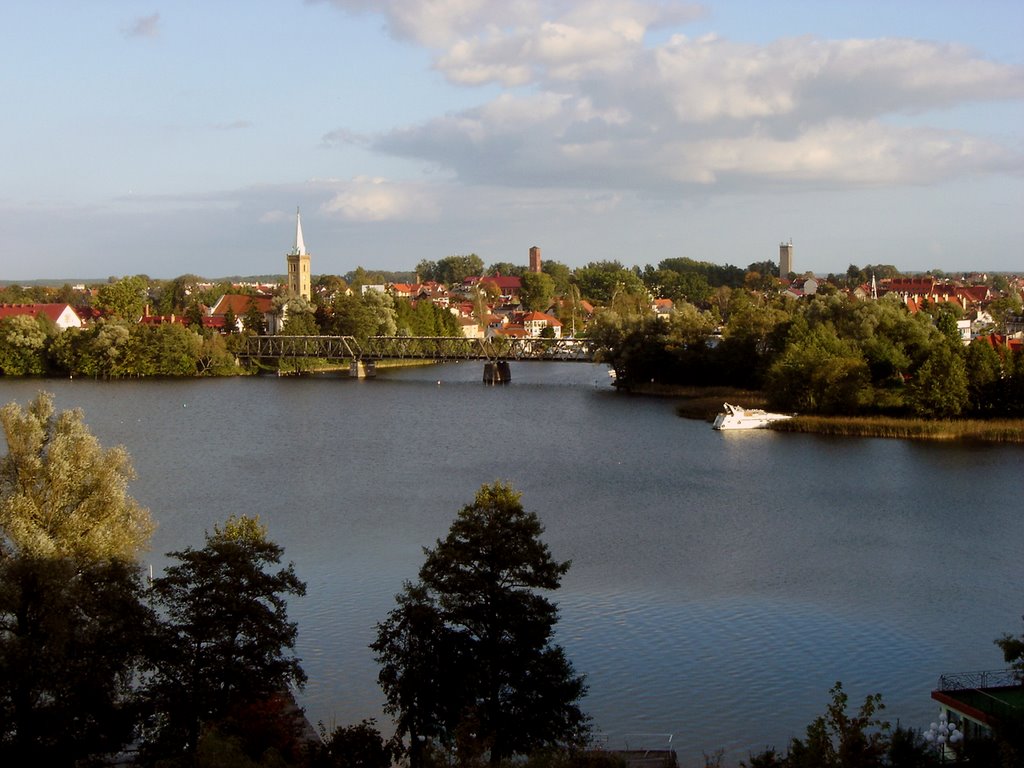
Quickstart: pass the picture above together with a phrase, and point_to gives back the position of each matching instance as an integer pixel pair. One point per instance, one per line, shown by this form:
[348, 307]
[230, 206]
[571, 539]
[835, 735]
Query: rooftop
[985, 697]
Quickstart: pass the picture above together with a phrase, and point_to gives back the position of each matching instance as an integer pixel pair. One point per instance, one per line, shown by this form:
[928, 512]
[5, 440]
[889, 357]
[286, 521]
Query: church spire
[300, 246]
[298, 264]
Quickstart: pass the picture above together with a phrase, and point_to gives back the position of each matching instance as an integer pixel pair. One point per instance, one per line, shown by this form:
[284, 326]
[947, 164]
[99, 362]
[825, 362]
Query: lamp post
[943, 733]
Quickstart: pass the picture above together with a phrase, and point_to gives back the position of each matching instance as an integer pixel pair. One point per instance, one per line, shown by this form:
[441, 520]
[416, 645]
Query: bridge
[363, 355]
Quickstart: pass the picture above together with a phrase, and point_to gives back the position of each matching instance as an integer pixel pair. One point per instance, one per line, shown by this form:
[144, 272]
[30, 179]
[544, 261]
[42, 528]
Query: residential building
[62, 315]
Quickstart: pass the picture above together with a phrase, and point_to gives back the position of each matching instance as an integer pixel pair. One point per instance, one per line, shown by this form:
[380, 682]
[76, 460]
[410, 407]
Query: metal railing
[439, 348]
[964, 681]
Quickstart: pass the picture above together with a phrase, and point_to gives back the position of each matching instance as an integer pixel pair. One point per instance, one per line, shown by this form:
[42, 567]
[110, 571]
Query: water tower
[785, 259]
[535, 260]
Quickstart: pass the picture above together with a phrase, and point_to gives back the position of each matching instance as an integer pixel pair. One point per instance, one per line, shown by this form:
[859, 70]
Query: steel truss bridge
[439, 348]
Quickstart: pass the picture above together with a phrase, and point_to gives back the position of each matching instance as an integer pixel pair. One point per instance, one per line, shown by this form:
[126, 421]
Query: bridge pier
[497, 373]
[361, 370]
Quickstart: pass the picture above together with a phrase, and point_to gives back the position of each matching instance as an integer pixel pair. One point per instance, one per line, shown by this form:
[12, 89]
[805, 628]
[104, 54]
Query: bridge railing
[326, 347]
[417, 347]
[495, 348]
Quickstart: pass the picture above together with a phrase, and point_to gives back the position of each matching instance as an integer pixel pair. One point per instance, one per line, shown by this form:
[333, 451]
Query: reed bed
[994, 431]
[706, 402]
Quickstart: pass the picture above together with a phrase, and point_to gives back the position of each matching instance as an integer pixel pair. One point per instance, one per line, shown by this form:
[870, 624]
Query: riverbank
[705, 403]
[987, 431]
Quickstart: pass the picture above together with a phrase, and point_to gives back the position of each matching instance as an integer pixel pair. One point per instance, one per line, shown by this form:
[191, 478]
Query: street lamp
[943, 733]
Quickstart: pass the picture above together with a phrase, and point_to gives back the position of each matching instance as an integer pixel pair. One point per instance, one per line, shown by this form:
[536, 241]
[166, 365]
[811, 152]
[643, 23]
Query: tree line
[117, 346]
[829, 354]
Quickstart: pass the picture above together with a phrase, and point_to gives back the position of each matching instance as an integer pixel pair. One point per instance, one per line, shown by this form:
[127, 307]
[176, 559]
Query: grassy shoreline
[987, 431]
[705, 403]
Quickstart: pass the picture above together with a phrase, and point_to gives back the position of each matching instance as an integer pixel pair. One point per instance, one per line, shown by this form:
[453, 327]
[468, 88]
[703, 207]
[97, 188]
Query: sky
[176, 137]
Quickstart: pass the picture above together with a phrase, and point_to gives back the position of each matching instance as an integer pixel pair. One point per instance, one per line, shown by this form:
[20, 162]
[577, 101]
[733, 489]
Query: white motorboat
[737, 417]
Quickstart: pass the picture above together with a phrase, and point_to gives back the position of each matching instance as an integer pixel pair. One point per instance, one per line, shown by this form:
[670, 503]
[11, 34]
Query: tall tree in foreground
[227, 647]
[467, 656]
[72, 622]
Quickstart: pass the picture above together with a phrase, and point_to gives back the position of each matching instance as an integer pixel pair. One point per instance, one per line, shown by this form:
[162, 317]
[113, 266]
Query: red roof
[532, 316]
[239, 304]
[52, 311]
[162, 319]
[998, 341]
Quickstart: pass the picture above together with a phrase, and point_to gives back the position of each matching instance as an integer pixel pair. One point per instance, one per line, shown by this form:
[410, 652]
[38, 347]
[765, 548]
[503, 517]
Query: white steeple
[300, 246]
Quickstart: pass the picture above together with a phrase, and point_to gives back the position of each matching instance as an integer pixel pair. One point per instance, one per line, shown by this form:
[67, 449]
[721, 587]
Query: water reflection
[721, 583]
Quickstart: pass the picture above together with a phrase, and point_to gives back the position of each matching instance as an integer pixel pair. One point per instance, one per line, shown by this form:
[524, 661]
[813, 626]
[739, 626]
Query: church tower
[298, 264]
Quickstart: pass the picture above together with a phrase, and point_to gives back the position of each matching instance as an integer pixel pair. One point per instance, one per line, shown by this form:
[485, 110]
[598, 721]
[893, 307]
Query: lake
[720, 582]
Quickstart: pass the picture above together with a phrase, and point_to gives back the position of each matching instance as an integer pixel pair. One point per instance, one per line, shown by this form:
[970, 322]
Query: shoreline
[704, 404]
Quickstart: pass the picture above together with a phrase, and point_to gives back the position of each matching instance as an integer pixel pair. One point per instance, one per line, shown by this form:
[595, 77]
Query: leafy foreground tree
[353, 746]
[841, 739]
[466, 657]
[73, 626]
[226, 662]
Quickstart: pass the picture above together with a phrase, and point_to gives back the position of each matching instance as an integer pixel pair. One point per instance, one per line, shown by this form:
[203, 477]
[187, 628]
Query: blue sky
[179, 137]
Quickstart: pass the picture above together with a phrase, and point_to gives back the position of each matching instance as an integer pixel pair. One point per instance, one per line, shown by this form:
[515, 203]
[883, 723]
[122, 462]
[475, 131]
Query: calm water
[721, 583]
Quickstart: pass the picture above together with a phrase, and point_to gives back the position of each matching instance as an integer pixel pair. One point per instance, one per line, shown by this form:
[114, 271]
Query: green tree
[477, 614]
[536, 291]
[381, 308]
[452, 270]
[214, 357]
[424, 318]
[570, 312]
[506, 269]
[560, 273]
[348, 316]
[939, 386]
[1013, 651]
[231, 321]
[353, 746]
[300, 318]
[818, 373]
[984, 378]
[23, 345]
[124, 299]
[175, 350]
[227, 642]
[945, 323]
[426, 271]
[194, 316]
[601, 281]
[636, 347]
[839, 739]
[73, 626]
[253, 319]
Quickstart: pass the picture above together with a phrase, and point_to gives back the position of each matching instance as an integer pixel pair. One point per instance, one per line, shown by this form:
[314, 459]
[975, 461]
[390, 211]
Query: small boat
[737, 417]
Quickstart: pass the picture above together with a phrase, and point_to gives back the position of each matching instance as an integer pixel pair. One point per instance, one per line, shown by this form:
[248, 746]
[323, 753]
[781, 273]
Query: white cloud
[374, 200]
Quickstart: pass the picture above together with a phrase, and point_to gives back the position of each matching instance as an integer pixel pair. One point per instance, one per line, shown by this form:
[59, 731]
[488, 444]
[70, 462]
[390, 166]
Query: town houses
[504, 300]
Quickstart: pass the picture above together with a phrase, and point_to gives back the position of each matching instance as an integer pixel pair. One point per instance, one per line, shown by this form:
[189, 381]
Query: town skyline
[180, 139]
